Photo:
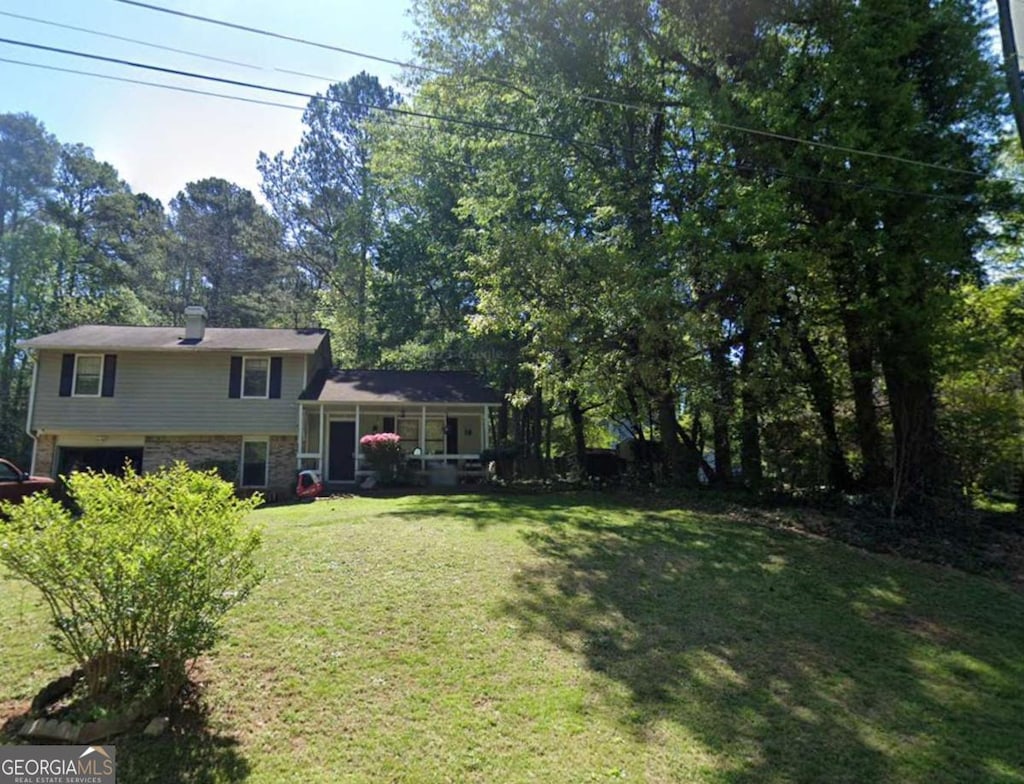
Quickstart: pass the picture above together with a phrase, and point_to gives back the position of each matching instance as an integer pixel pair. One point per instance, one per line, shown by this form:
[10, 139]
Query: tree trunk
[537, 447]
[721, 415]
[750, 420]
[1020, 467]
[362, 343]
[503, 421]
[18, 411]
[860, 359]
[1020, 494]
[579, 439]
[923, 475]
[693, 449]
[820, 388]
[9, 330]
[549, 424]
[642, 452]
[668, 424]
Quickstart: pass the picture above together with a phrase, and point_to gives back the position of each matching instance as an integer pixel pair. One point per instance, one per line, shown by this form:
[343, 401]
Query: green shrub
[226, 469]
[141, 578]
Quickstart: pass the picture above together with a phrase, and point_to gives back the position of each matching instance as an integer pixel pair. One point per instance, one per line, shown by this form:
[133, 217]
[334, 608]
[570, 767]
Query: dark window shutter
[109, 374]
[67, 374]
[275, 376]
[235, 380]
[389, 424]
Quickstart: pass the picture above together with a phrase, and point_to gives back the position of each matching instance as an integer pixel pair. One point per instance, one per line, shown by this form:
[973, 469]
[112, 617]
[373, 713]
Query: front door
[341, 461]
[451, 429]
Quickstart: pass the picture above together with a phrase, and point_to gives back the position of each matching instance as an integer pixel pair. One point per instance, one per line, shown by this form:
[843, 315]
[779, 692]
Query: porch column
[356, 469]
[485, 430]
[323, 445]
[423, 437]
[298, 447]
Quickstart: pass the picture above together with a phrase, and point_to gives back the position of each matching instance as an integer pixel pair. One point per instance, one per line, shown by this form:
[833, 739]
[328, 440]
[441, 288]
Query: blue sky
[158, 139]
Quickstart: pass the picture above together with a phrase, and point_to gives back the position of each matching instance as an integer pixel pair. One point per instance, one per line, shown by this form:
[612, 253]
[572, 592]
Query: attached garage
[109, 459]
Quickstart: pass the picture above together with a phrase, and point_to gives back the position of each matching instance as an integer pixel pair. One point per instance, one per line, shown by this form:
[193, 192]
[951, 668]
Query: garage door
[109, 459]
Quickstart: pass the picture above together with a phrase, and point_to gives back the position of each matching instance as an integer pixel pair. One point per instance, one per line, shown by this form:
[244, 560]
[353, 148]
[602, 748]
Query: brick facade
[197, 451]
[203, 451]
[283, 452]
[45, 457]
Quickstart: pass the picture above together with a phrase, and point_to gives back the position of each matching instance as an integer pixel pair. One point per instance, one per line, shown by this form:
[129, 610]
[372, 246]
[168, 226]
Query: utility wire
[126, 39]
[208, 93]
[153, 45]
[227, 96]
[144, 83]
[412, 66]
[632, 106]
[240, 98]
[407, 112]
[278, 36]
[296, 93]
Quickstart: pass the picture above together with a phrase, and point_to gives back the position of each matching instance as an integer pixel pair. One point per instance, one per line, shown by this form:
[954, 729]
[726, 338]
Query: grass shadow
[497, 507]
[791, 660]
[189, 752]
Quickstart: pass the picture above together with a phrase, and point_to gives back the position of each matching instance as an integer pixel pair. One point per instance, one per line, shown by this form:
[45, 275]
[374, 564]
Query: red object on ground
[309, 484]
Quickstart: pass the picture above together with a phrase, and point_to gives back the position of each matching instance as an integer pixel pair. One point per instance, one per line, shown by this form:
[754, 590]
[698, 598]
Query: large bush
[139, 580]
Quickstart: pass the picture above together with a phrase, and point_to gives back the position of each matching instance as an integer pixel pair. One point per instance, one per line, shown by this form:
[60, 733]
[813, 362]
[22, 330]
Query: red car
[15, 484]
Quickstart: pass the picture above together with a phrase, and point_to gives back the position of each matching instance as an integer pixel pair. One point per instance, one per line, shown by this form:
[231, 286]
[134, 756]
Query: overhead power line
[144, 83]
[391, 110]
[284, 91]
[278, 36]
[412, 66]
[125, 38]
[630, 105]
[153, 45]
[193, 91]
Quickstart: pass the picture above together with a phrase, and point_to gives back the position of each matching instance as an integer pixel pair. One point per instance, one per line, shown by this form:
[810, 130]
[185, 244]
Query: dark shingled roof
[95, 337]
[399, 386]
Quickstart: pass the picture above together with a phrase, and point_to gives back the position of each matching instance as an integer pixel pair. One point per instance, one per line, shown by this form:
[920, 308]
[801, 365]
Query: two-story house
[258, 403]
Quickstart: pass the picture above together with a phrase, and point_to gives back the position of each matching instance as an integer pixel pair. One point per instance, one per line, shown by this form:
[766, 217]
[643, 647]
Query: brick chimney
[195, 322]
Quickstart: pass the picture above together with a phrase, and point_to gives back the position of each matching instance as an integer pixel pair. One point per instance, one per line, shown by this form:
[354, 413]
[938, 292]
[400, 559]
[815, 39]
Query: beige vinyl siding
[321, 360]
[469, 444]
[168, 393]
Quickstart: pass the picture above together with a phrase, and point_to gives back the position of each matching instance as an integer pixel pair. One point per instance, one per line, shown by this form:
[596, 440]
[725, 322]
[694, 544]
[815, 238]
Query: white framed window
[255, 462]
[435, 438]
[88, 375]
[409, 432]
[255, 377]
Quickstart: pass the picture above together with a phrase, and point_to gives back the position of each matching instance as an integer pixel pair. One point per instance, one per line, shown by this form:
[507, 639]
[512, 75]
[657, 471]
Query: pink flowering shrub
[374, 441]
[384, 456]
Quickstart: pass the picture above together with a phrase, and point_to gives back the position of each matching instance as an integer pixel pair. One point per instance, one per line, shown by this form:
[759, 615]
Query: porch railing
[463, 467]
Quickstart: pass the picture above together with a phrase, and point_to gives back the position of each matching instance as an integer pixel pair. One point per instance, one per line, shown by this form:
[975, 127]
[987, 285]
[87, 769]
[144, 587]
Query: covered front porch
[442, 443]
[442, 418]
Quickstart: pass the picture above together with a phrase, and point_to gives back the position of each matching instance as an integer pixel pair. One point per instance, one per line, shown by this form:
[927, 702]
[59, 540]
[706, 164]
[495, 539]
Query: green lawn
[575, 638]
